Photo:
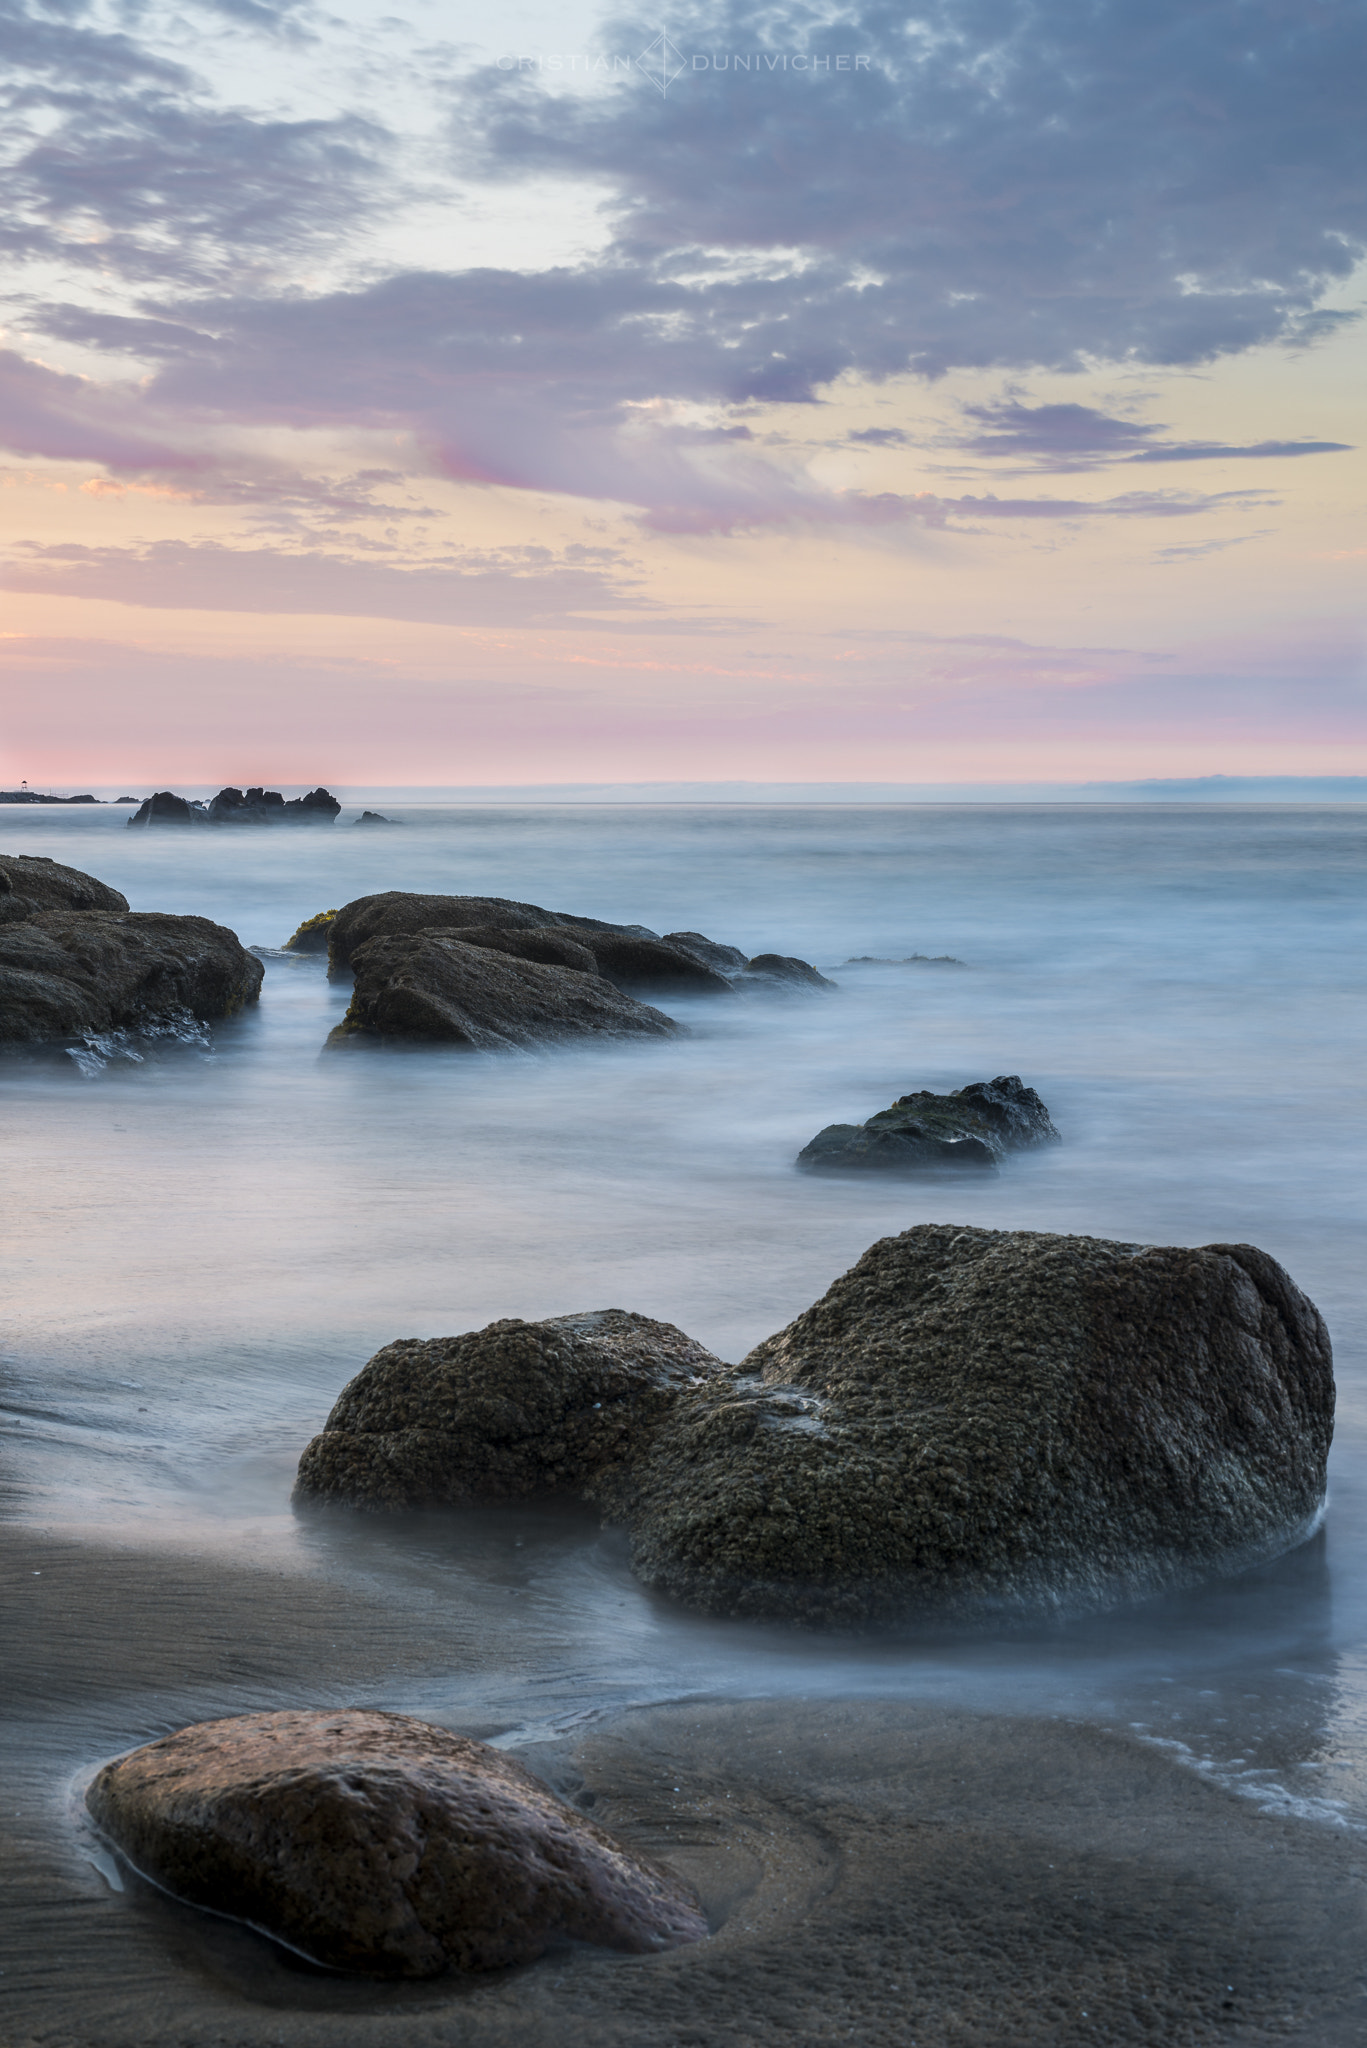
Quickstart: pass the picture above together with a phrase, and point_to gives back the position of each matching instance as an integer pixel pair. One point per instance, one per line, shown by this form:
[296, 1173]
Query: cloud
[1077, 437]
[878, 437]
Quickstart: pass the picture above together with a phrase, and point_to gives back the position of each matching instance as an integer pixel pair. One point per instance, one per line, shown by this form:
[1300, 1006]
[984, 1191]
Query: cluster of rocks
[374, 1843]
[32, 796]
[973, 1127]
[238, 807]
[75, 961]
[969, 1424]
[488, 972]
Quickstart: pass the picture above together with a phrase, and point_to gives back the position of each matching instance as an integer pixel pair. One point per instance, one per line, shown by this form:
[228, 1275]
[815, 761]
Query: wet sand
[878, 1872]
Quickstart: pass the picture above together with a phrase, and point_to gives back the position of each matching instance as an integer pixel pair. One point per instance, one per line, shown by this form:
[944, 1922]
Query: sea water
[206, 1237]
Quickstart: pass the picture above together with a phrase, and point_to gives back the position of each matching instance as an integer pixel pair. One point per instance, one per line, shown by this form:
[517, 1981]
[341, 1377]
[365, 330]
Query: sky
[775, 393]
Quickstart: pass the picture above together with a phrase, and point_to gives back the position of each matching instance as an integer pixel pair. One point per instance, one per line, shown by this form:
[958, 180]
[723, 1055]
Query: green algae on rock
[974, 1127]
[374, 1843]
[313, 934]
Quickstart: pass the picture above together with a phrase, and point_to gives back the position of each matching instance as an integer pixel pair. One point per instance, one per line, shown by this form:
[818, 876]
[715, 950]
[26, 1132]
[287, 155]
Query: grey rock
[514, 1410]
[431, 986]
[374, 1843]
[31, 883]
[782, 970]
[269, 807]
[971, 1128]
[166, 808]
[726, 959]
[632, 962]
[398, 913]
[978, 1423]
[550, 944]
[69, 973]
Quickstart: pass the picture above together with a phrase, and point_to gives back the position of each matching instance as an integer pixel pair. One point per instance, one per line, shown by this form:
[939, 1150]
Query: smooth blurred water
[200, 1249]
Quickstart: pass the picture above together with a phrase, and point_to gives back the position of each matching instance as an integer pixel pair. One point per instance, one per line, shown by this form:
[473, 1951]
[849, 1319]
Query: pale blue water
[199, 1250]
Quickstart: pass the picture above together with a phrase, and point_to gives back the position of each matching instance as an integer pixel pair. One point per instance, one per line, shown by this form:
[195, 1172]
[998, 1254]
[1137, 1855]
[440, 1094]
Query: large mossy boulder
[374, 1843]
[977, 1423]
[512, 1411]
[973, 1127]
[431, 987]
[30, 883]
[76, 973]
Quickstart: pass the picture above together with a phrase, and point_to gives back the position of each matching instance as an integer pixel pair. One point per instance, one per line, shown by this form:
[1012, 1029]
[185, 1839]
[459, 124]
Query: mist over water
[202, 1246]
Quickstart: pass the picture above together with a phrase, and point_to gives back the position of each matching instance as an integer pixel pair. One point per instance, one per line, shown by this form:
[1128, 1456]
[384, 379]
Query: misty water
[203, 1244]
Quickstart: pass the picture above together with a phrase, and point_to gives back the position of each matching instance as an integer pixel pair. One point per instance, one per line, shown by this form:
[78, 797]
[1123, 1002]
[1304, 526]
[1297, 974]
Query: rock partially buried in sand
[374, 1843]
[80, 972]
[433, 988]
[511, 1411]
[974, 1127]
[30, 883]
[972, 1423]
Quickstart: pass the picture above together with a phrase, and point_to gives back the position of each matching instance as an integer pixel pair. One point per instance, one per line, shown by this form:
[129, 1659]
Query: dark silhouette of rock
[782, 970]
[908, 960]
[399, 912]
[166, 808]
[377, 818]
[313, 934]
[31, 796]
[971, 1423]
[429, 985]
[66, 973]
[502, 1413]
[375, 1843]
[726, 959]
[974, 1128]
[269, 807]
[632, 962]
[31, 883]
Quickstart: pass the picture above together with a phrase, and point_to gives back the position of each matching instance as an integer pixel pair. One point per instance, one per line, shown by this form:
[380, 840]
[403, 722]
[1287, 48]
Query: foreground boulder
[974, 1127]
[432, 986]
[30, 883]
[980, 1422]
[509, 1412]
[375, 1843]
[73, 973]
[969, 1425]
[401, 913]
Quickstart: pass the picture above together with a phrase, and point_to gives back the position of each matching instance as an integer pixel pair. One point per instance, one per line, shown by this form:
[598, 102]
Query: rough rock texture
[726, 959]
[313, 934]
[398, 913]
[549, 944]
[76, 972]
[512, 1410]
[31, 883]
[783, 970]
[431, 986]
[971, 1422]
[166, 808]
[629, 961]
[375, 1843]
[974, 1127]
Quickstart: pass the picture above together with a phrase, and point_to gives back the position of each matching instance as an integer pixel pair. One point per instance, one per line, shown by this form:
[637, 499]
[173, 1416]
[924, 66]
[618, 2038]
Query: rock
[69, 973]
[974, 1127]
[400, 912]
[31, 796]
[514, 1410]
[268, 807]
[549, 944]
[377, 818]
[313, 934]
[726, 959]
[31, 883]
[631, 962]
[375, 1843]
[909, 960]
[975, 1423]
[432, 986]
[165, 808]
[780, 970]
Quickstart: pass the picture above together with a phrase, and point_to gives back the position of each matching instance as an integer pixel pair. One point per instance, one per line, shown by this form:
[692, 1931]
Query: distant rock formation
[31, 796]
[238, 807]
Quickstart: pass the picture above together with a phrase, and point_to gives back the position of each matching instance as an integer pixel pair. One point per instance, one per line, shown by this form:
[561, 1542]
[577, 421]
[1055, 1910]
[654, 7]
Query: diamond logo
[662, 63]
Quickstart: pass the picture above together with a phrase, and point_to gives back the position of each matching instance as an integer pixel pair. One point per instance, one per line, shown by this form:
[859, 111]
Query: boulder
[430, 985]
[374, 1843]
[973, 1423]
[377, 818]
[518, 1409]
[973, 1127]
[782, 970]
[71, 973]
[398, 913]
[631, 962]
[31, 883]
[726, 959]
[313, 934]
[166, 808]
[268, 807]
[549, 944]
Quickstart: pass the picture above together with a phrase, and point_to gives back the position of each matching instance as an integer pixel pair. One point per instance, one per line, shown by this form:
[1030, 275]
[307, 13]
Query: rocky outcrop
[511, 1411]
[239, 807]
[973, 1127]
[399, 913]
[973, 1423]
[783, 970]
[69, 973]
[375, 1843]
[377, 818]
[313, 934]
[630, 961]
[710, 952]
[30, 883]
[969, 1425]
[431, 986]
[166, 808]
[552, 945]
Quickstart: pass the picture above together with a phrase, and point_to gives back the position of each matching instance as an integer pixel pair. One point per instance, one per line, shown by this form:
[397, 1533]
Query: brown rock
[513, 1410]
[548, 944]
[77, 972]
[396, 913]
[432, 986]
[375, 1843]
[313, 934]
[30, 883]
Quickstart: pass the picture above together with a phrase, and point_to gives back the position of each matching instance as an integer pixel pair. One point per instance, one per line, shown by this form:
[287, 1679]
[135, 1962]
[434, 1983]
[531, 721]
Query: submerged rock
[502, 1413]
[973, 1127]
[432, 986]
[313, 934]
[782, 970]
[68, 973]
[377, 818]
[978, 1422]
[30, 883]
[375, 1843]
